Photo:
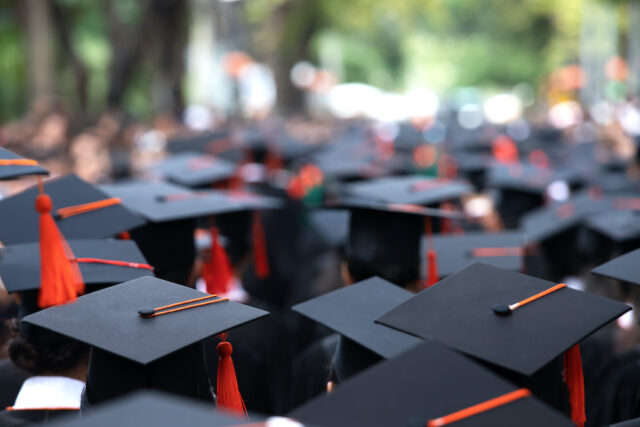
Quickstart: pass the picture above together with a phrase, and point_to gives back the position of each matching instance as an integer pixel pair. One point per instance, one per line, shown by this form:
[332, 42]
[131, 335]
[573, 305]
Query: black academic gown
[33, 416]
[621, 391]
[11, 379]
[312, 369]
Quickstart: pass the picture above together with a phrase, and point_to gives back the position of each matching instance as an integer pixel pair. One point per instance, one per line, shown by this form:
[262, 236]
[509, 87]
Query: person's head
[384, 244]
[43, 352]
[169, 247]
[182, 372]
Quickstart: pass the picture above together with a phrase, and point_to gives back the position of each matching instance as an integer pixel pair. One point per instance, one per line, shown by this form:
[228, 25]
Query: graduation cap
[508, 319]
[557, 228]
[456, 251]
[172, 212]
[384, 238]
[417, 190]
[523, 187]
[612, 232]
[160, 202]
[101, 262]
[193, 169]
[152, 408]
[428, 385]
[148, 333]
[13, 165]
[211, 142]
[623, 268]
[80, 210]
[352, 310]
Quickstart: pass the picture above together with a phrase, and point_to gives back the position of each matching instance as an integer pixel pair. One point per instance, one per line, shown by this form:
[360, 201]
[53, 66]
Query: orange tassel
[432, 272]
[573, 377]
[229, 397]
[125, 235]
[260, 258]
[60, 279]
[432, 257]
[217, 273]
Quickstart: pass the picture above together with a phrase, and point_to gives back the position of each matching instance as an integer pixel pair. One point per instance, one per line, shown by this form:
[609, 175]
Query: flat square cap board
[109, 320]
[423, 384]
[162, 202]
[193, 169]
[417, 190]
[527, 178]
[618, 226]
[352, 310]
[624, 268]
[456, 251]
[17, 166]
[550, 221]
[209, 142]
[352, 204]
[20, 219]
[152, 408]
[20, 264]
[458, 312]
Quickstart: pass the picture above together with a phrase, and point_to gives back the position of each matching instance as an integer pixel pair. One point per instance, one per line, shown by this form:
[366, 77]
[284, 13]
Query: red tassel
[229, 397]
[260, 259]
[432, 258]
[574, 379]
[217, 273]
[125, 235]
[432, 271]
[60, 279]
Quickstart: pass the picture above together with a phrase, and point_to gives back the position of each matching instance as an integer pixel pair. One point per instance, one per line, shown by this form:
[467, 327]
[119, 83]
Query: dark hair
[401, 274]
[41, 351]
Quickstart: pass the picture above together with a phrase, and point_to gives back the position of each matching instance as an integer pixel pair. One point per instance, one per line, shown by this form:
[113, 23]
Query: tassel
[432, 272]
[260, 258]
[125, 235]
[432, 258]
[573, 377]
[229, 397]
[217, 272]
[60, 278]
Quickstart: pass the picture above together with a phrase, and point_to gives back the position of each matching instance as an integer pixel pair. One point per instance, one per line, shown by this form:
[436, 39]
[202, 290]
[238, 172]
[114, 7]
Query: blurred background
[79, 77]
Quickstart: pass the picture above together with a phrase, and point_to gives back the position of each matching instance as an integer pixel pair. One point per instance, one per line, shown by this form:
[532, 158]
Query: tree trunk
[39, 50]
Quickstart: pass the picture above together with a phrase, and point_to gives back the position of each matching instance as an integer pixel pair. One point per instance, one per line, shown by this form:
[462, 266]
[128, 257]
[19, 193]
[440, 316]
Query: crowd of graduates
[297, 273]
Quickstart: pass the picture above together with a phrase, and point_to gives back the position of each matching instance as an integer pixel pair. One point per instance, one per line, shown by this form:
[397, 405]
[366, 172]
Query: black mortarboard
[384, 240]
[424, 384]
[108, 319]
[172, 211]
[161, 202]
[623, 268]
[556, 228]
[145, 333]
[629, 423]
[211, 142]
[417, 190]
[13, 166]
[19, 217]
[523, 187]
[459, 312]
[193, 169]
[456, 251]
[352, 310]
[101, 262]
[154, 409]
[611, 233]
